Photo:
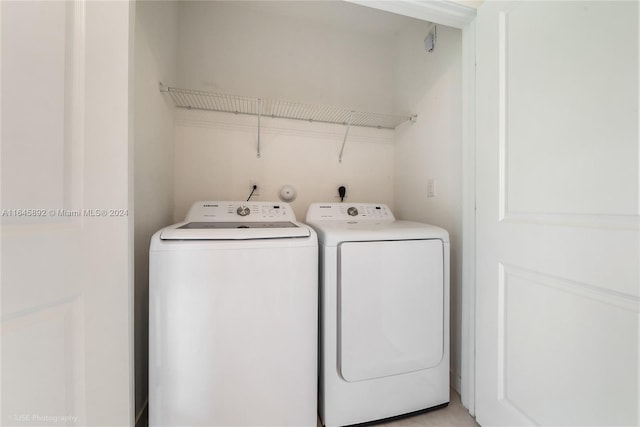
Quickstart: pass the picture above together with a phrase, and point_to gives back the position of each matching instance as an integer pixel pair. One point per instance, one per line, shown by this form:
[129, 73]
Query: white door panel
[66, 324]
[557, 298]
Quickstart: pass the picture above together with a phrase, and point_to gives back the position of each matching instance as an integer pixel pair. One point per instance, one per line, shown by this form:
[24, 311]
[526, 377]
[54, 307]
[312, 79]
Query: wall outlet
[251, 184]
[431, 187]
[342, 192]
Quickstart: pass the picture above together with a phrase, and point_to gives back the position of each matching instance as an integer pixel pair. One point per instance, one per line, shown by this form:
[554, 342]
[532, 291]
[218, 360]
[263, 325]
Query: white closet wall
[215, 159]
[431, 149]
[314, 52]
[328, 53]
[155, 60]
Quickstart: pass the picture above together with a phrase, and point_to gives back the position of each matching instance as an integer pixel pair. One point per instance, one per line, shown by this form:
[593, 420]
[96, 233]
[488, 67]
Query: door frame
[468, 333]
[454, 14]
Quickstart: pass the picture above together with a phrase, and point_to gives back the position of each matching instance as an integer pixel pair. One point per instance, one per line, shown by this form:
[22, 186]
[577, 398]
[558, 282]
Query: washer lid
[236, 230]
[237, 224]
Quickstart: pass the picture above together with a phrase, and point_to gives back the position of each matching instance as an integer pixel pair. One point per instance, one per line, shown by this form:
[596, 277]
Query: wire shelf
[201, 100]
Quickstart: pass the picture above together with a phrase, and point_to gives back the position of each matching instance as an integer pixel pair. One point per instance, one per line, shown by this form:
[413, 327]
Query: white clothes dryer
[384, 313]
[233, 318]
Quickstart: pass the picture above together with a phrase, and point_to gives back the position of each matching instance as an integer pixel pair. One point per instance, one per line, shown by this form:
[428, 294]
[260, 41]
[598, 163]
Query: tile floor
[453, 415]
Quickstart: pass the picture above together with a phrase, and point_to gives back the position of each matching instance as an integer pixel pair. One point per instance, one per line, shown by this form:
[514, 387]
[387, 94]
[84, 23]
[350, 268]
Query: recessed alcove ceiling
[336, 13]
[330, 53]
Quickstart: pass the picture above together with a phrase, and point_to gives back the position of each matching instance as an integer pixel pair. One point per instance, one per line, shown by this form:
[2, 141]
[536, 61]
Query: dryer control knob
[352, 211]
[243, 211]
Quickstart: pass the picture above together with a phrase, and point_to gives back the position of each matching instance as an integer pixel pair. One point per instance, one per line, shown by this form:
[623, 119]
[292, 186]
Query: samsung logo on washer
[210, 206]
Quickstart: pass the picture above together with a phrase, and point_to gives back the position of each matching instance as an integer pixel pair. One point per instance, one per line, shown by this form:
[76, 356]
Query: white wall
[432, 149]
[215, 159]
[155, 60]
[331, 53]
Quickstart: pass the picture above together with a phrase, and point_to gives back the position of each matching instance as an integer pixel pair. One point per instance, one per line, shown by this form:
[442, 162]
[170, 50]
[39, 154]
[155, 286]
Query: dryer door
[390, 307]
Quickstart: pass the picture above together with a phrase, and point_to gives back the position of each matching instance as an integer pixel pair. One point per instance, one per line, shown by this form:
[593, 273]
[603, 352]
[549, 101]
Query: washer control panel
[240, 211]
[349, 212]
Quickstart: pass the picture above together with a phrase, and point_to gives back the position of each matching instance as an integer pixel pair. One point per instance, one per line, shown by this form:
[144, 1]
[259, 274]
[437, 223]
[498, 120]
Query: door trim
[468, 335]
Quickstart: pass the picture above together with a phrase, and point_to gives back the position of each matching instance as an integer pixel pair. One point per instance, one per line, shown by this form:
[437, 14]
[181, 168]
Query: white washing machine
[384, 313]
[233, 297]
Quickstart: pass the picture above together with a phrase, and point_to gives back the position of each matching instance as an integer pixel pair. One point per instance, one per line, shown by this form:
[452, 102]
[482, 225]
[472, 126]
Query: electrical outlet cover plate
[431, 188]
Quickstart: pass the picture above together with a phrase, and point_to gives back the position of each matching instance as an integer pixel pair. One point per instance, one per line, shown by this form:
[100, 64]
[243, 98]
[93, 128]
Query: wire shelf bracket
[346, 133]
[201, 100]
[259, 117]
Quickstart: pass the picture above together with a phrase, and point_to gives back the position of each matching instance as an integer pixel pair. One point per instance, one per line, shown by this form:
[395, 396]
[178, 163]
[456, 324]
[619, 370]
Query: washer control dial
[243, 210]
[352, 211]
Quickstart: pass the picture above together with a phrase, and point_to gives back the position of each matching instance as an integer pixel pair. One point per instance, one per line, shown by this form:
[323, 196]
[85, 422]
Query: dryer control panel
[348, 212]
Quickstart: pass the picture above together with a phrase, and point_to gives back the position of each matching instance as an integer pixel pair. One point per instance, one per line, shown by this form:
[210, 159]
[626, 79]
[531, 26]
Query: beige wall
[432, 149]
[215, 159]
[331, 53]
[155, 60]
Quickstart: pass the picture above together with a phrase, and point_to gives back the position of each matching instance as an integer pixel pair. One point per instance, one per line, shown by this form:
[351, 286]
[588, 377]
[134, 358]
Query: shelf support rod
[259, 117]
[345, 136]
